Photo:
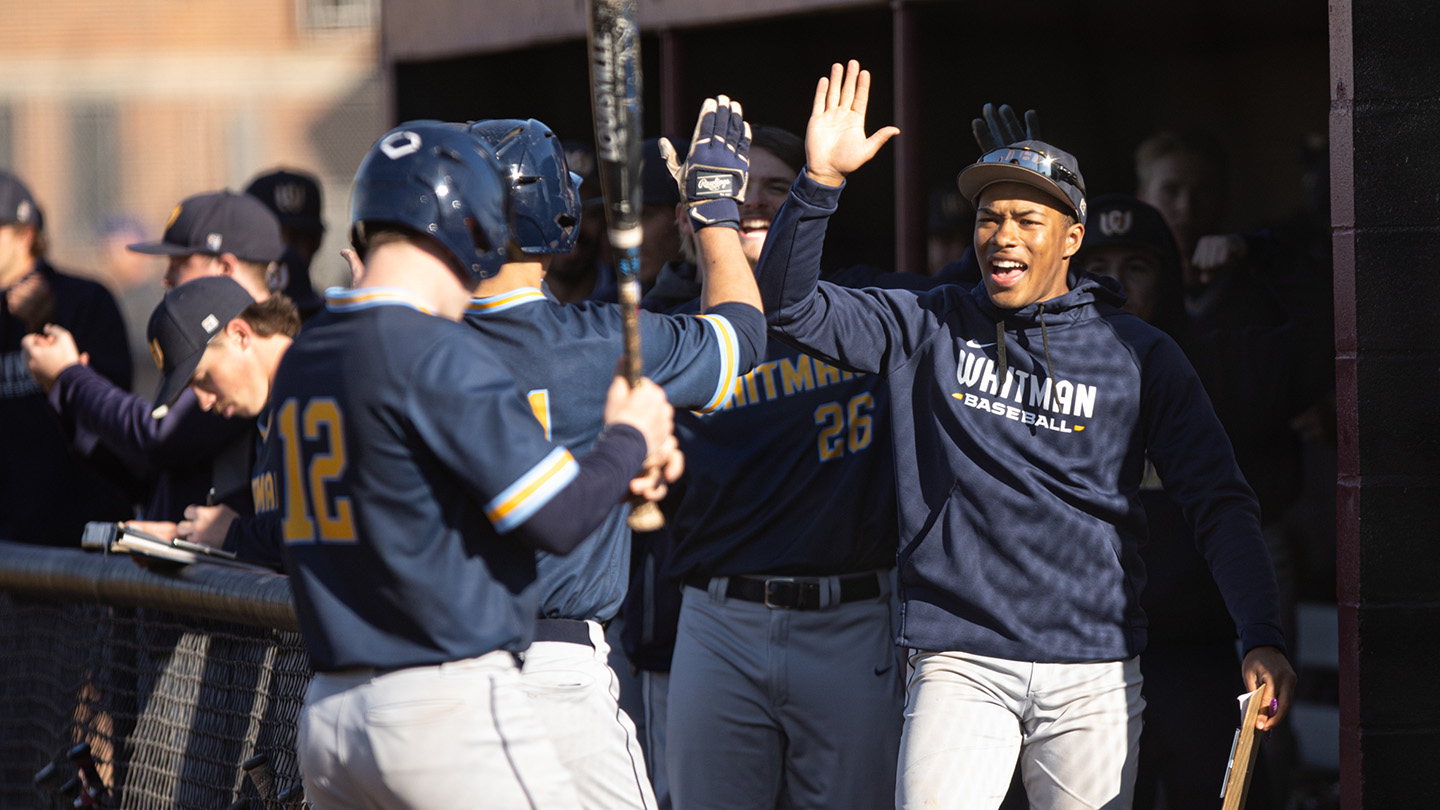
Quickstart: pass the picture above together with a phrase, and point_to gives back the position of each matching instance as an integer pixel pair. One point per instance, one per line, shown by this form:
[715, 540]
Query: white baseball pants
[1075, 729]
[575, 694]
[460, 734]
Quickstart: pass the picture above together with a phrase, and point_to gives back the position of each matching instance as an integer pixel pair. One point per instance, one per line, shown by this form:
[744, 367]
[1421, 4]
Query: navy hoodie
[1018, 474]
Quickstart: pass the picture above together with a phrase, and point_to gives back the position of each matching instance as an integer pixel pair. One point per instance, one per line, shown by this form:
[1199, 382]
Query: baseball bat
[93, 793]
[258, 767]
[614, 42]
[49, 779]
[293, 797]
[70, 792]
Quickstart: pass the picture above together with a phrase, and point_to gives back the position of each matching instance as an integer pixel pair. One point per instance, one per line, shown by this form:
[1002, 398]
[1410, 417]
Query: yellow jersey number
[844, 427]
[308, 503]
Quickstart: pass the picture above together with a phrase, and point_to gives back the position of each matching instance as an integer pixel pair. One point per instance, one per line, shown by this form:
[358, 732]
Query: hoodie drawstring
[1003, 361]
[1045, 341]
[1000, 351]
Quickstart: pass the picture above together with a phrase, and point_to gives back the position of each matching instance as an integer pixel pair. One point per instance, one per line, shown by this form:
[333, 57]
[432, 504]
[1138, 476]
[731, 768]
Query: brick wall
[197, 95]
[1385, 109]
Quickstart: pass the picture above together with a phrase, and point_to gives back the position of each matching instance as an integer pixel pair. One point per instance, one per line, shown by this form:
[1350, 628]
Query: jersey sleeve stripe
[729, 360]
[533, 490]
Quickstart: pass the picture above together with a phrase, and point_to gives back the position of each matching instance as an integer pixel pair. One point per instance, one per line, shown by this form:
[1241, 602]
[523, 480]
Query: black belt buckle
[789, 593]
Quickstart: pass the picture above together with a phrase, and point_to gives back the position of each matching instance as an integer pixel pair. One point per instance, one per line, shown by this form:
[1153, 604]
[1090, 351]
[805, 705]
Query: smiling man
[1023, 413]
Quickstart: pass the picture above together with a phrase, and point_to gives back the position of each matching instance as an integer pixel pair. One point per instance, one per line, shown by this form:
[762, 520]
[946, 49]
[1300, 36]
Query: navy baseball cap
[184, 323]
[17, 204]
[219, 222]
[292, 196]
[1120, 219]
[1034, 163]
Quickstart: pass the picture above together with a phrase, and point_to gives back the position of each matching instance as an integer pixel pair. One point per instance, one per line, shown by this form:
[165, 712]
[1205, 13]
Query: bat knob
[646, 517]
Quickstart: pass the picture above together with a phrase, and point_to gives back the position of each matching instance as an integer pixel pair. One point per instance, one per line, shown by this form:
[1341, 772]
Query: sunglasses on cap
[1034, 160]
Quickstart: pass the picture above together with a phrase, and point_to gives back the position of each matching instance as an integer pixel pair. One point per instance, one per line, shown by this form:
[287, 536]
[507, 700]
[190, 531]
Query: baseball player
[561, 356]
[188, 452]
[214, 339]
[294, 197]
[416, 485]
[1024, 411]
[785, 684]
[46, 491]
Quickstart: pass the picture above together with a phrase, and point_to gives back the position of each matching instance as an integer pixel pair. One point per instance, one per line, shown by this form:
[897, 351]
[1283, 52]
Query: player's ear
[240, 331]
[1074, 237]
[229, 264]
[682, 219]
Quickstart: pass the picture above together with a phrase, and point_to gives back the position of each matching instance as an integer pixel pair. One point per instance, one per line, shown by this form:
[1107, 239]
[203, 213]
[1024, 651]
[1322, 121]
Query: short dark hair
[782, 143]
[276, 315]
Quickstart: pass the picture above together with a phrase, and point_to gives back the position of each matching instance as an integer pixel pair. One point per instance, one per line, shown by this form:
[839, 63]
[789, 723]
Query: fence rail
[173, 677]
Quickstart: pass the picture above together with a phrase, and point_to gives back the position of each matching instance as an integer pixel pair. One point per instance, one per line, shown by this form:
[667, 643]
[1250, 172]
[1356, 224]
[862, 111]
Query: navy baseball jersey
[257, 538]
[406, 456]
[563, 359]
[791, 476]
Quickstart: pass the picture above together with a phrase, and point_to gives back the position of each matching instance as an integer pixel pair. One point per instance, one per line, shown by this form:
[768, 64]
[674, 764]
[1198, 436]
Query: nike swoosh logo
[972, 344]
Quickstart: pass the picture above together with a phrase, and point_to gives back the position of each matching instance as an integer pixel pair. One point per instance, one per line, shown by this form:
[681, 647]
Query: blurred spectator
[294, 198]
[1245, 341]
[48, 488]
[1184, 176]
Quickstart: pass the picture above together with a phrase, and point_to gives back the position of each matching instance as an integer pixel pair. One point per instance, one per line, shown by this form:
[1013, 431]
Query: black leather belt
[573, 631]
[793, 593]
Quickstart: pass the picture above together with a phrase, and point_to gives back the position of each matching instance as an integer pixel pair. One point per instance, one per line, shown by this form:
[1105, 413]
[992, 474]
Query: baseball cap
[1034, 163]
[183, 324]
[17, 205]
[1120, 219]
[292, 196]
[219, 222]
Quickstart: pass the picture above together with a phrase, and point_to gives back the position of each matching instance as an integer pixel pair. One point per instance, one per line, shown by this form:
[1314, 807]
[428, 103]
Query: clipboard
[1246, 745]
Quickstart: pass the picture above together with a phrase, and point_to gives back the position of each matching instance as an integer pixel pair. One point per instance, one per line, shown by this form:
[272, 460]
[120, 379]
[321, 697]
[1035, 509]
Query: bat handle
[646, 515]
[293, 797]
[629, 295]
[93, 788]
[258, 767]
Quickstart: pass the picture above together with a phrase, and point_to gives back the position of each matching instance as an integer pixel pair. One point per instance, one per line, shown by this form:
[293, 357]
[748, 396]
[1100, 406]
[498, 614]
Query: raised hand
[835, 142]
[713, 178]
[996, 129]
[49, 352]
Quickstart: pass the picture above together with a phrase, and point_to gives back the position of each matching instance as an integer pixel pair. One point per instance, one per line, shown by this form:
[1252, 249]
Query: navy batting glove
[713, 178]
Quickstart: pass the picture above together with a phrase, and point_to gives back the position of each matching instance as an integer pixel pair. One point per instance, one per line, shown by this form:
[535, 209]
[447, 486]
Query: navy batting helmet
[543, 190]
[435, 178]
